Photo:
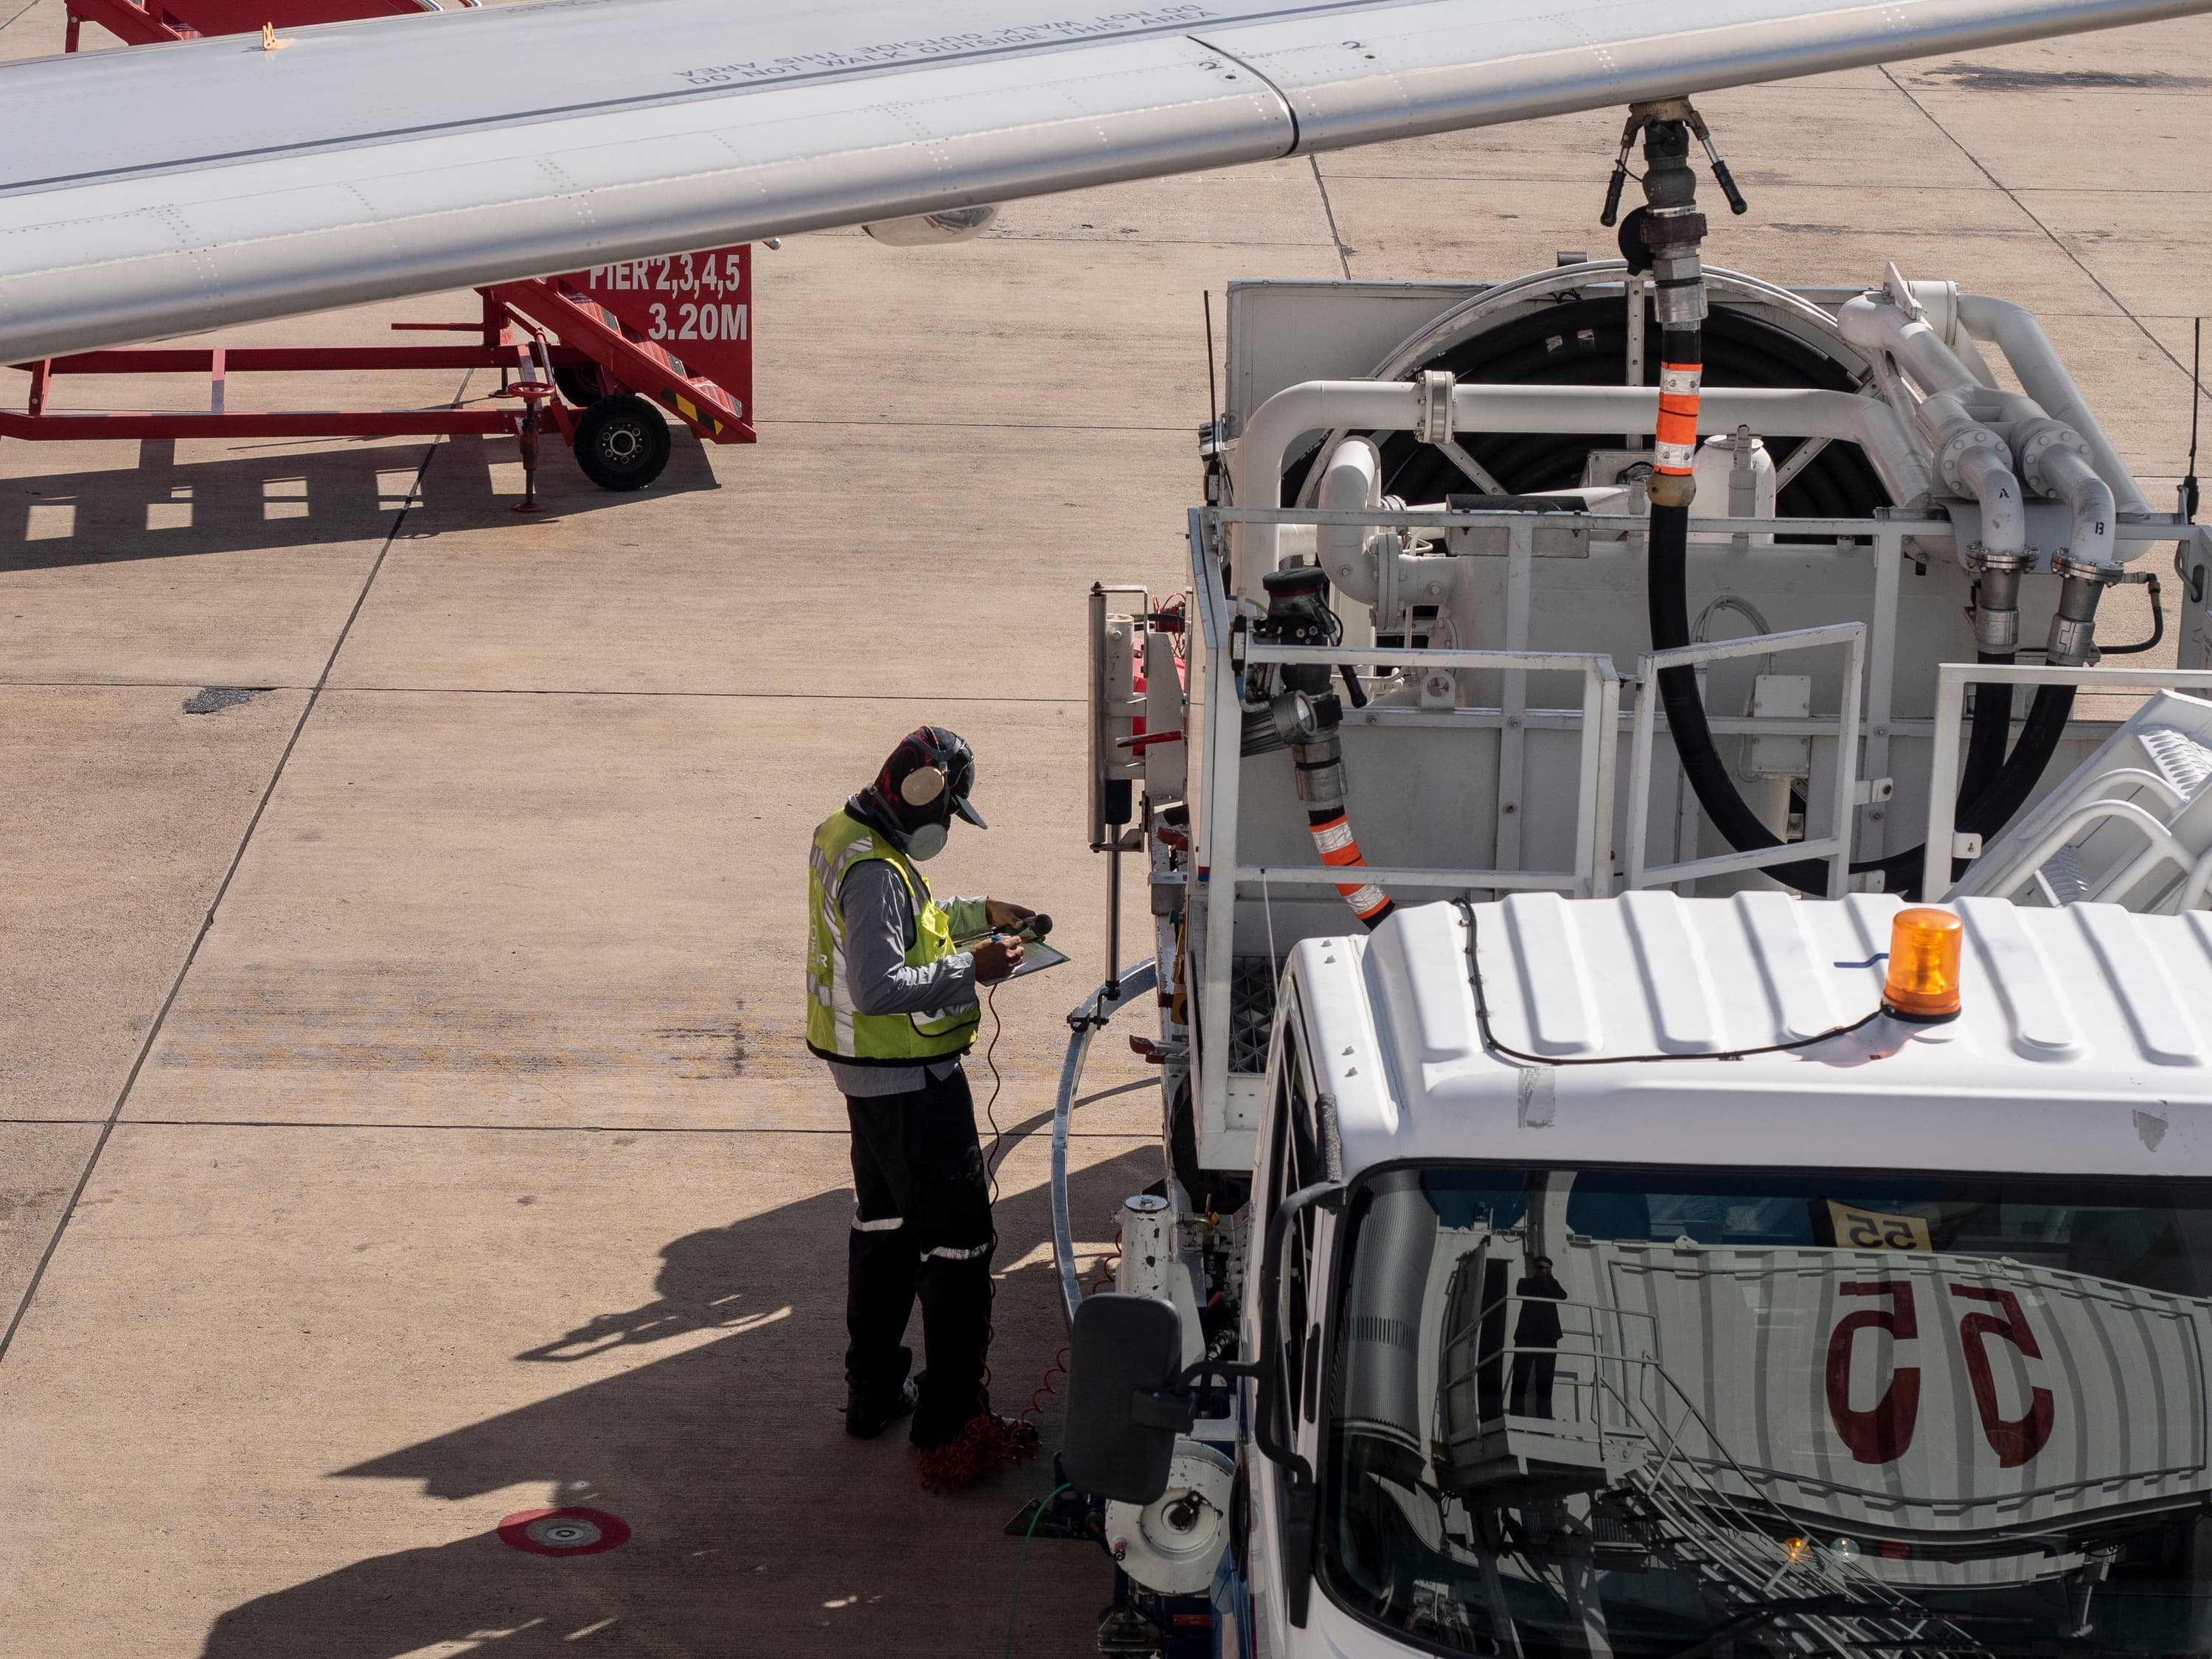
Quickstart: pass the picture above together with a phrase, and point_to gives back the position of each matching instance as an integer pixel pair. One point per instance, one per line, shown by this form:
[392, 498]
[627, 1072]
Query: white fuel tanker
[1600, 1212]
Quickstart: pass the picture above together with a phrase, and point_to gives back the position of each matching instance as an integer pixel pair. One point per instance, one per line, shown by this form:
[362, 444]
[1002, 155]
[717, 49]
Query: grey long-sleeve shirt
[879, 930]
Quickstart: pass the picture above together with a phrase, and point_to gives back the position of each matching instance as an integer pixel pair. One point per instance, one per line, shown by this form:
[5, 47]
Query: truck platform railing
[1836, 845]
[1944, 843]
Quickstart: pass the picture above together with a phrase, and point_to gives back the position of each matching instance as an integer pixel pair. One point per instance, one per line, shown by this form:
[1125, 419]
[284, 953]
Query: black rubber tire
[581, 384]
[622, 443]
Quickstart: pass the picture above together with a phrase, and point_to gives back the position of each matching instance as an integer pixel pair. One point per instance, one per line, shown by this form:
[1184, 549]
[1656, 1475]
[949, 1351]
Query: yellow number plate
[1873, 1229]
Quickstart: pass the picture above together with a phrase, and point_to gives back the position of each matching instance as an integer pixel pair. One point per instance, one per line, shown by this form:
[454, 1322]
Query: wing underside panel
[370, 161]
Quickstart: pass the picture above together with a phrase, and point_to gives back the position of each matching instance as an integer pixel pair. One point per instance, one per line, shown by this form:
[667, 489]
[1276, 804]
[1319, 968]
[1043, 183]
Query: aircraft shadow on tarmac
[758, 1526]
[160, 509]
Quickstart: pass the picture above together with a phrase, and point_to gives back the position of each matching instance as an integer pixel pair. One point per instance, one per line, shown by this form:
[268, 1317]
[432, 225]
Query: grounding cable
[1490, 1042]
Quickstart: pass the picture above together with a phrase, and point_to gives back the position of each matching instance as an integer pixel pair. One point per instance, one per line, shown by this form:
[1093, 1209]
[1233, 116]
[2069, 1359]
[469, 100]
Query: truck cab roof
[1631, 1030]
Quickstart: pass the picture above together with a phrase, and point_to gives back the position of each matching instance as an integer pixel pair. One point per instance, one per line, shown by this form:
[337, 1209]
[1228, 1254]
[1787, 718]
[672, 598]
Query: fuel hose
[1320, 763]
[1665, 234]
[1666, 579]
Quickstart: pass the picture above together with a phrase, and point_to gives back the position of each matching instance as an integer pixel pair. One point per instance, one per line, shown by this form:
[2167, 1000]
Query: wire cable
[1022, 1564]
[1490, 1041]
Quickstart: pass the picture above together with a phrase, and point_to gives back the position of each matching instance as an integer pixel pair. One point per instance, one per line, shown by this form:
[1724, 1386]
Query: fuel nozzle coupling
[1996, 603]
[1669, 226]
[1663, 237]
[1305, 717]
[1283, 700]
[2073, 629]
[1298, 614]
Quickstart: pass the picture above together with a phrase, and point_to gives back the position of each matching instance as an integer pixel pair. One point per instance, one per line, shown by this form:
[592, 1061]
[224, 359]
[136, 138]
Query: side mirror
[1125, 1405]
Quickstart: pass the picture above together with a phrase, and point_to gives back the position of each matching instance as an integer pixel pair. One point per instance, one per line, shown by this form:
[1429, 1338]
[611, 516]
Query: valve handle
[1618, 183]
[1737, 205]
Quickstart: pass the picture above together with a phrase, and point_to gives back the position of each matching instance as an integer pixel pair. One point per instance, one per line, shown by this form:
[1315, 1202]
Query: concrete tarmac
[403, 1121]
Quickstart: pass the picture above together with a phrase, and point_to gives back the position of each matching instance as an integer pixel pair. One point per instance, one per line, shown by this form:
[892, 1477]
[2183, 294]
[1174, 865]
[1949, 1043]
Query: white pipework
[1974, 459]
[2056, 460]
[1351, 480]
[1969, 424]
[1373, 567]
[2028, 350]
[1394, 406]
[1971, 456]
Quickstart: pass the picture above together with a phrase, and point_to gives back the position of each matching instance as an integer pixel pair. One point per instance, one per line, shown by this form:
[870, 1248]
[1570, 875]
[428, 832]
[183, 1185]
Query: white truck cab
[1649, 1170]
[1613, 1333]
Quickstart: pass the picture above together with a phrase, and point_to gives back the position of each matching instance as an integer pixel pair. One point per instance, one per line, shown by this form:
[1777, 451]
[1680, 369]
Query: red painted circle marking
[564, 1532]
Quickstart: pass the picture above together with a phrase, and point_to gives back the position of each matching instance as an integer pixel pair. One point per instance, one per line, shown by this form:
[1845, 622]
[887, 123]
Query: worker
[892, 1005]
[1536, 1340]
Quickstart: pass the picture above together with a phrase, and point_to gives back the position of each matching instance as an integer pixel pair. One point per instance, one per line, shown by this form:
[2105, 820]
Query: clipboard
[1037, 955]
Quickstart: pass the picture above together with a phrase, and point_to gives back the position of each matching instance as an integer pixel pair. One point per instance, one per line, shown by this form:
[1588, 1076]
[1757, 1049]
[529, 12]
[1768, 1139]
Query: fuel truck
[1681, 989]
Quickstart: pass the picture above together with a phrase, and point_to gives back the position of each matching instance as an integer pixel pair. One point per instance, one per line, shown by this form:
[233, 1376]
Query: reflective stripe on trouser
[916, 1157]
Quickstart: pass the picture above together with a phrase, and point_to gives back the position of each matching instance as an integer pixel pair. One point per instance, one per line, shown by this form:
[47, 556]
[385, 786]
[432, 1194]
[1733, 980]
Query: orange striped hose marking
[1676, 448]
[1339, 848]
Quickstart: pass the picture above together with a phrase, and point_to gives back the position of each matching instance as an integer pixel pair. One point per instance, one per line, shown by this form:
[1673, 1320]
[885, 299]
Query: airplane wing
[158, 190]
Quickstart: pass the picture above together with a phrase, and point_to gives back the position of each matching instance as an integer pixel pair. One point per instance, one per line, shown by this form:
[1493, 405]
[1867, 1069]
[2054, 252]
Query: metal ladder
[1731, 1546]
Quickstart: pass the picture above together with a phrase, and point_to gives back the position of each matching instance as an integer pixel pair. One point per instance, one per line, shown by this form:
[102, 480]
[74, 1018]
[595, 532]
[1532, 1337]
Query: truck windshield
[1646, 1412]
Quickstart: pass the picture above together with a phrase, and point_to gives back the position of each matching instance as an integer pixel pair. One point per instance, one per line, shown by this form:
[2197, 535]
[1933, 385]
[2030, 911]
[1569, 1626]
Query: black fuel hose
[1993, 731]
[1985, 812]
[2039, 734]
[1667, 587]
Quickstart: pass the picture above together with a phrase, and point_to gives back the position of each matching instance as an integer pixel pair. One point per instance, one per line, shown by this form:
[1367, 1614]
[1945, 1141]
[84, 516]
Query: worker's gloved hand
[1008, 916]
[995, 959]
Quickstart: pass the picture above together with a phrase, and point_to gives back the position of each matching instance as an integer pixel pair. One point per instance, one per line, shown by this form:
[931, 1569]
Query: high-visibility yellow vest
[837, 1029]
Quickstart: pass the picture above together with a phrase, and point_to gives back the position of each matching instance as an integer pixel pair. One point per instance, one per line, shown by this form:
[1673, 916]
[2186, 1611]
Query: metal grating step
[2062, 875]
[1251, 1013]
[2184, 762]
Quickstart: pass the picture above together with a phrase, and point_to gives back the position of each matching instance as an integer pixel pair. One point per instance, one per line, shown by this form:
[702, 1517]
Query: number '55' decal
[1881, 1433]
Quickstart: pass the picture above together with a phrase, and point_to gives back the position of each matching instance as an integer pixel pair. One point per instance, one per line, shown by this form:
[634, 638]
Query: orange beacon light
[1925, 947]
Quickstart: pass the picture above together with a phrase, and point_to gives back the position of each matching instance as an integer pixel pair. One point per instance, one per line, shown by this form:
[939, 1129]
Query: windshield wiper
[1846, 1607]
[1765, 1613]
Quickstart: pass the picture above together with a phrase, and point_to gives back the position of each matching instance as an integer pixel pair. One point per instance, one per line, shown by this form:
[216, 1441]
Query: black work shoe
[868, 1413]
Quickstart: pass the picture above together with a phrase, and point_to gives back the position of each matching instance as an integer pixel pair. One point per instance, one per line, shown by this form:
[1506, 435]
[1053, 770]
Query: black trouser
[922, 1227]
[1532, 1384]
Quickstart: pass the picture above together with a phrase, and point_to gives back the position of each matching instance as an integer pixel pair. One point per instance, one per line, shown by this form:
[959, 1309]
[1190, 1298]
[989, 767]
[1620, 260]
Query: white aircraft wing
[157, 190]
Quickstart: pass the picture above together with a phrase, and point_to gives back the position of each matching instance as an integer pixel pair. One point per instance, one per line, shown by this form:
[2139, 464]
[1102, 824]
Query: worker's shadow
[757, 1525]
[348, 493]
